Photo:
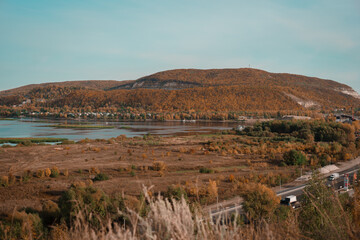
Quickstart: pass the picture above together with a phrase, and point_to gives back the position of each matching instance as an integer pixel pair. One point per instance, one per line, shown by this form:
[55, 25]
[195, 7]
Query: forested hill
[87, 84]
[183, 78]
[192, 89]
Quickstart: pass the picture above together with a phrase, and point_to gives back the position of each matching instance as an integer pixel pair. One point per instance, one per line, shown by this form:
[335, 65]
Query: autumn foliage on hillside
[89, 84]
[199, 99]
[240, 76]
[194, 90]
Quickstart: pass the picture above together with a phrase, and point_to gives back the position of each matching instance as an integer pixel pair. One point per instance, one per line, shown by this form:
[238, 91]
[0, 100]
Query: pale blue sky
[48, 41]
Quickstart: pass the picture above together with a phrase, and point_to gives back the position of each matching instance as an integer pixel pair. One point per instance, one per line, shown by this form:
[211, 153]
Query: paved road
[226, 211]
[337, 184]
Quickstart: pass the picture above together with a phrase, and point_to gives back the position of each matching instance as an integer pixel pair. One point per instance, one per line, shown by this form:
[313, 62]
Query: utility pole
[280, 183]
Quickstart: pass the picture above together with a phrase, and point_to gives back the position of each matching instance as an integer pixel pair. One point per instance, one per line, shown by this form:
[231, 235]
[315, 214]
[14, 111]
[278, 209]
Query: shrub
[26, 175]
[89, 182]
[259, 201]
[206, 170]
[26, 143]
[47, 172]
[54, 172]
[158, 166]
[231, 178]
[5, 181]
[96, 149]
[212, 189]
[176, 192]
[132, 173]
[28, 225]
[40, 173]
[50, 212]
[93, 203]
[294, 157]
[94, 170]
[67, 142]
[322, 215]
[101, 177]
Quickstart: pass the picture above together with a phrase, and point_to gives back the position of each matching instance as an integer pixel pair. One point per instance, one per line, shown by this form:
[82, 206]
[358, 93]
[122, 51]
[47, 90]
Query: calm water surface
[39, 128]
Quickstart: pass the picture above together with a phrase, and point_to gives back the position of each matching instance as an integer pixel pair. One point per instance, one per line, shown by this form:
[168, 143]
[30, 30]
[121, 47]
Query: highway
[224, 212]
[336, 184]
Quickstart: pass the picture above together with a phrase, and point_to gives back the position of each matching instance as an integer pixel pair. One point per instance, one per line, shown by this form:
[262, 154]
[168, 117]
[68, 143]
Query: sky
[49, 41]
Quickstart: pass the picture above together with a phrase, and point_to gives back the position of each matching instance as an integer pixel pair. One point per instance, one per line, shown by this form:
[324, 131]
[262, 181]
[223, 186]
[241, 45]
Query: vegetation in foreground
[85, 212]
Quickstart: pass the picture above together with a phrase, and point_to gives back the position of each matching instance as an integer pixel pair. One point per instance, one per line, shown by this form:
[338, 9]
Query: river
[26, 127]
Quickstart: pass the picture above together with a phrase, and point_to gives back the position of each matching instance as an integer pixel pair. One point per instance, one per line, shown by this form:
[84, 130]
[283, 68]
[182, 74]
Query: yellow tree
[259, 201]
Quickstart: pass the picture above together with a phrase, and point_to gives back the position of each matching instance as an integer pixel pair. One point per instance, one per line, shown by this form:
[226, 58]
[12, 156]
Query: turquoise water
[39, 128]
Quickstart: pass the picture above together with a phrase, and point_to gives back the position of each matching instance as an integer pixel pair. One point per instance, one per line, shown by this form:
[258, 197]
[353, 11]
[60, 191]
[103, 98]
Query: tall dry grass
[176, 219]
[172, 219]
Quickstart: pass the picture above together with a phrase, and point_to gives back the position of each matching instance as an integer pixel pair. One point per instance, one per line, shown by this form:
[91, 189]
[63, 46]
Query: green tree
[322, 215]
[294, 157]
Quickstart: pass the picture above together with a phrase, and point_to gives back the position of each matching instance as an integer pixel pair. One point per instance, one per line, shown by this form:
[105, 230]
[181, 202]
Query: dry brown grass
[79, 184]
[174, 220]
[12, 178]
[66, 172]
[96, 149]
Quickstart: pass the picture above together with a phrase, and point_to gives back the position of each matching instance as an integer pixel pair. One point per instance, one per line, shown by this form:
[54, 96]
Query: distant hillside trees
[319, 142]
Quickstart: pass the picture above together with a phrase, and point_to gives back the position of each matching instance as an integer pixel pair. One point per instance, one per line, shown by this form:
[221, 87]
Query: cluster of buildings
[343, 118]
